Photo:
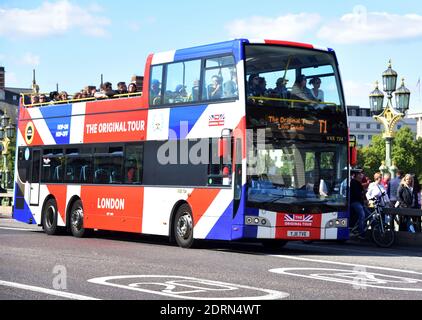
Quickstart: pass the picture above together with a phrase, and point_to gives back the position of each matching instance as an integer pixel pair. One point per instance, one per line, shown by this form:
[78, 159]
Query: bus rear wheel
[183, 227]
[49, 218]
[77, 220]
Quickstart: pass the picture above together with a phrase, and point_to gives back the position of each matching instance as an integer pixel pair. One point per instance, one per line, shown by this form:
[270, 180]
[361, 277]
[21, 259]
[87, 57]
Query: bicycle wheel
[383, 239]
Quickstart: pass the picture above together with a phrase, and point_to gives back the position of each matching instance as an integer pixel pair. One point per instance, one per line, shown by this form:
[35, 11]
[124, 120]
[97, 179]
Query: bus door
[237, 162]
[34, 193]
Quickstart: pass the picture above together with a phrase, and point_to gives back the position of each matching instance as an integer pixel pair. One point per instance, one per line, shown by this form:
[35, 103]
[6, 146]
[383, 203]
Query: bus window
[133, 164]
[220, 79]
[182, 82]
[108, 166]
[78, 166]
[24, 162]
[52, 166]
[155, 89]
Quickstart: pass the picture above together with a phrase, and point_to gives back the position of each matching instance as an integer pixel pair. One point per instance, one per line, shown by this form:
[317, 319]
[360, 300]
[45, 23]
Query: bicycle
[382, 231]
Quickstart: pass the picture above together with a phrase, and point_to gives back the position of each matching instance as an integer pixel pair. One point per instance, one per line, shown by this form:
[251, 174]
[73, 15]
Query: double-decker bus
[201, 154]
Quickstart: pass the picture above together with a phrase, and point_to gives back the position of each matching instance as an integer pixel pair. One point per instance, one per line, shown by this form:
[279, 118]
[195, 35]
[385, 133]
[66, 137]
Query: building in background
[418, 118]
[364, 126]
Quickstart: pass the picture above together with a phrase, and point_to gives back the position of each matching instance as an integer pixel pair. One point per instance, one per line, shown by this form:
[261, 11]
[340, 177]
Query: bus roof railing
[54, 103]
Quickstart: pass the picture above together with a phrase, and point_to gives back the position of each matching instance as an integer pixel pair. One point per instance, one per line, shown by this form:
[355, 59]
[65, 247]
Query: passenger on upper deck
[215, 89]
[132, 88]
[43, 98]
[280, 91]
[230, 87]
[300, 91]
[122, 88]
[155, 89]
[105, 92]
[316, 93]
[253, 85]
[35, 99]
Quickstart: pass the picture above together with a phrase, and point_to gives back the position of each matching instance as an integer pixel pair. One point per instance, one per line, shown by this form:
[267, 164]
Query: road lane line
[51, 292]
[344, 264]
[17, 229]
[362, 252]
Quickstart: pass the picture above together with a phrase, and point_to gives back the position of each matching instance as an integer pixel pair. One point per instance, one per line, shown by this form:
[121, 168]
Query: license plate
[298, 234]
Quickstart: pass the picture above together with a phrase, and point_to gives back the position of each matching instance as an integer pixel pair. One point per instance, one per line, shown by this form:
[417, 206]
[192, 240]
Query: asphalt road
[124, 266]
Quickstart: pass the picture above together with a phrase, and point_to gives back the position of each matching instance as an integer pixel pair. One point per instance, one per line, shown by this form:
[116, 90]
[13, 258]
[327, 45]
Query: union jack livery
[226, 142]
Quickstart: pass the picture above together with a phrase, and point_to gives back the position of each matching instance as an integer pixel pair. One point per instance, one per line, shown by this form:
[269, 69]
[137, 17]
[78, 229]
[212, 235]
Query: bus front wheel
[49, 218]
[183, 227]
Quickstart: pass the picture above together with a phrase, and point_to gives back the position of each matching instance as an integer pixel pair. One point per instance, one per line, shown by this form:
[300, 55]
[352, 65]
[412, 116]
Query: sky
[73, 42]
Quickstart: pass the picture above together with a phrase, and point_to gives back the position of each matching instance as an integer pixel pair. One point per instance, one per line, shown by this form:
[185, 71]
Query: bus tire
[183, 227]
[77, 220]
[49, 218]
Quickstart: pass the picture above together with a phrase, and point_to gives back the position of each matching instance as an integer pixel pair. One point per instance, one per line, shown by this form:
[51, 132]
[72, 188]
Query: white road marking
[17, 229]
[344, 264]
[360, 279]
[51, 292]
[363, 252]
[177, 282]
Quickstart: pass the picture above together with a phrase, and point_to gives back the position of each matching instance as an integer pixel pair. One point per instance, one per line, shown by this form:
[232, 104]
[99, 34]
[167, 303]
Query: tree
[406, 153]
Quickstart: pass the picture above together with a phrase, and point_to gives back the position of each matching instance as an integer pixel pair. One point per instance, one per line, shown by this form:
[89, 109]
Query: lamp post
[7, 132]
[388, 115]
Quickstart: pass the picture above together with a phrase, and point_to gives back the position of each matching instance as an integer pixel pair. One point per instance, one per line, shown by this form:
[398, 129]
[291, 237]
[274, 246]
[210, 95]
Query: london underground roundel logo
[29, 133]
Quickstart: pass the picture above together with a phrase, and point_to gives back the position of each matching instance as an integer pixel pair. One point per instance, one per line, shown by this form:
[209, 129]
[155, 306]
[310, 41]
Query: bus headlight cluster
[337, 223]
[256, 221]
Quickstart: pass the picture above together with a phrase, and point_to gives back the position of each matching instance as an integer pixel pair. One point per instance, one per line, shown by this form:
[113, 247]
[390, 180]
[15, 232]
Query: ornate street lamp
[402, 98]
[389, 116]
[4, 120]
[376, 100]
[389, 79]
[10, 132]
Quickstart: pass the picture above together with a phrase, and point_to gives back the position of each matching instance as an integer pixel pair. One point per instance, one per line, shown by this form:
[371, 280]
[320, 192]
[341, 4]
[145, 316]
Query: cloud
[50, 19]
[362, 26]
[30, 59]
[357, 93]
[287, 27]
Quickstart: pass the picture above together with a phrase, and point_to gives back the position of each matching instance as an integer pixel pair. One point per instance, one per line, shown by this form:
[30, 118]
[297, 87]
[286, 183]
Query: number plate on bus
[298, 234]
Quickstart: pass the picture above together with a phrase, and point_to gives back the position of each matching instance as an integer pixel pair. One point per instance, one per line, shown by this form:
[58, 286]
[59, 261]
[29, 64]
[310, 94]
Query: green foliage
[406, 153]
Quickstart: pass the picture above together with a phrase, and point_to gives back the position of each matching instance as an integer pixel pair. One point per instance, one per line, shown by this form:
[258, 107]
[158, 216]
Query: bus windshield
[292, 77]
[284, 174]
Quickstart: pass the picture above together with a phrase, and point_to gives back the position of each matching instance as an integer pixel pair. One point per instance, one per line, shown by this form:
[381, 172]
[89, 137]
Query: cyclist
[357, 201]
[377, 190]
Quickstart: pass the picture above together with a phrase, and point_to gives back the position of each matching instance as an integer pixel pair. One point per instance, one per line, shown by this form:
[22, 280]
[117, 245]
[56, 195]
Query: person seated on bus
[155, 91]
[105, 92]
[300, 91]
[195, 91]
[35, 99]
[132, 88]
[132, 168]
[180, 93]
[280, 90]
[316, 93]
[43, 99]
[64, 96]
[54, 97]
[230, 87]
[215, 89]
[122, 88]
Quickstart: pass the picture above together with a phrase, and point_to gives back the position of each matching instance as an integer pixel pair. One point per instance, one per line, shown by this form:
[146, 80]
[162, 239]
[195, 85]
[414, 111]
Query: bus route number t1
[323, 126]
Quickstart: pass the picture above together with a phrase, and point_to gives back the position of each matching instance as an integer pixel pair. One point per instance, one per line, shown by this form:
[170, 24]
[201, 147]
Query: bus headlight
[257, 221]
[337, 223]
